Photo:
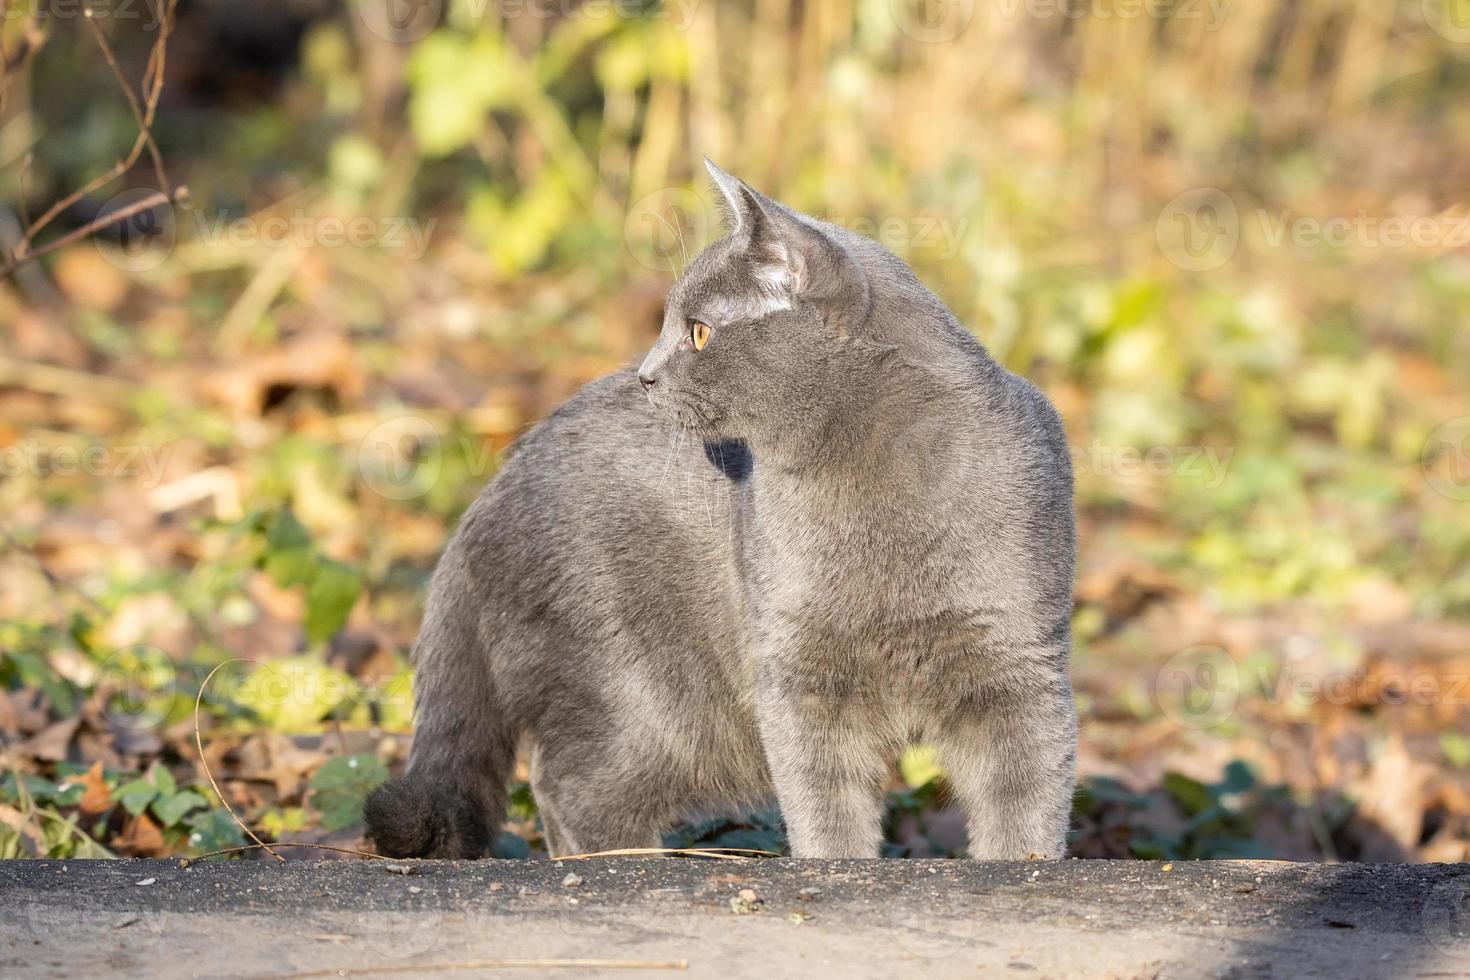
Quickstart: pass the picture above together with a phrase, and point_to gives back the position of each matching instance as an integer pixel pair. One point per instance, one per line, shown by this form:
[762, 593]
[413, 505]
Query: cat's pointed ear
[736, 199]
[794, 258]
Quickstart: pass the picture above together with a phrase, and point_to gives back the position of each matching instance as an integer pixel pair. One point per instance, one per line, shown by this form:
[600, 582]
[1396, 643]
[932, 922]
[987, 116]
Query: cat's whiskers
[678, 233]
[729, 496]
[676, 438]
[709, 518]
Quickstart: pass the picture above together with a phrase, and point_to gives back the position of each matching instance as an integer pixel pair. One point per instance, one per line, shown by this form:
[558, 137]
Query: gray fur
[839, 528]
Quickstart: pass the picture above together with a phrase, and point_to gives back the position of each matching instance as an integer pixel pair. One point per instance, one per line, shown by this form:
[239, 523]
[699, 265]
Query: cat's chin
[700, 422]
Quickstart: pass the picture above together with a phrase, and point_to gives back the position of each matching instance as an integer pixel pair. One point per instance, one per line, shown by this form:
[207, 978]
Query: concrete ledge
[809, 918]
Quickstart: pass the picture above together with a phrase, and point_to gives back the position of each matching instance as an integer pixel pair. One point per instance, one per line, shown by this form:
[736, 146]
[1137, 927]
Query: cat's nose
[646, 381]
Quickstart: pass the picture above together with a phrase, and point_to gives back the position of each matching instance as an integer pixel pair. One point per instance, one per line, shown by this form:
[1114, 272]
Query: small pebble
[414, 889]
[572, 880]
[496, 886]
[145, 881]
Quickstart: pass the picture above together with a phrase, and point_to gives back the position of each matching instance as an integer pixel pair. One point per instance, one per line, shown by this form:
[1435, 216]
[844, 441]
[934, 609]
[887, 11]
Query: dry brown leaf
[319, 361]
[268, 757]
[97, 798]
[52, 742]
[141, 837]
[1394, 795]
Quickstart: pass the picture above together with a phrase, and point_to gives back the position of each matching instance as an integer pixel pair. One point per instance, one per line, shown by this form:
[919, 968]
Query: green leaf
[1238, 778]
[39, 790]
[289, 557]
[171, 809]
[522, 803]
[919, 765]
[163, 779]
[280, 821]
[454, 81]
[1456, 748]
[294, 694]
[213, 830]
[33, 670]
[341, 785]
[1190, 795]
[135, 795]
[330, 596]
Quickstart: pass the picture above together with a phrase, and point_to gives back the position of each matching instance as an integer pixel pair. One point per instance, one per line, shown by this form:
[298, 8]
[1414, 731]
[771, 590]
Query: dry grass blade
[199, 743]
[718, 853]
[558, 964]
[185, 862]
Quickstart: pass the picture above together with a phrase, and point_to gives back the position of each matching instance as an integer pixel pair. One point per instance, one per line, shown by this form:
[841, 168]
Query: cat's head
[750, 325]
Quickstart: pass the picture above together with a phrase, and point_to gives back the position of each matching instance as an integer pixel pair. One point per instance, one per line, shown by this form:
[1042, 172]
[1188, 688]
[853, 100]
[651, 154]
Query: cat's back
[599, 504]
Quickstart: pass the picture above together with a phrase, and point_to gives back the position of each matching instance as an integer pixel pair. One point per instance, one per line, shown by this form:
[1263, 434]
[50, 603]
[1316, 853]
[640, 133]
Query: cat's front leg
[1011, 757]
[824, 747]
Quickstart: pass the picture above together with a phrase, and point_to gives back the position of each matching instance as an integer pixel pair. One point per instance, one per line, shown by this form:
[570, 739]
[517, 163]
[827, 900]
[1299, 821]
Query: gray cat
[817, 524]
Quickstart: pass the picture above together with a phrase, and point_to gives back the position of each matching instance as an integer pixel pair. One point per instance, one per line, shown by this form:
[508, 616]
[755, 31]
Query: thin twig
[491, 965]
[199, 743]
[152, 88]
[180, 194]
[145, 129]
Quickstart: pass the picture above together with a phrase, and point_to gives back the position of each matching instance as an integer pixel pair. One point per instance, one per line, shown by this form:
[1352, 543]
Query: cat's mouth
[692, 415]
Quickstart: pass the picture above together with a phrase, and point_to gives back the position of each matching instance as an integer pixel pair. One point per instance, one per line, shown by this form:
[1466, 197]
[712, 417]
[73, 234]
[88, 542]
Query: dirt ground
[662, 917]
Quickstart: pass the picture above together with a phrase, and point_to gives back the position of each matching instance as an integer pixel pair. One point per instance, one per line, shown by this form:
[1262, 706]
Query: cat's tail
[450, 801]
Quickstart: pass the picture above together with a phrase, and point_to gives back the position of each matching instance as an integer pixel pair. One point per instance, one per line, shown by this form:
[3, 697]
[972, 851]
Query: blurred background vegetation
[1229, 239]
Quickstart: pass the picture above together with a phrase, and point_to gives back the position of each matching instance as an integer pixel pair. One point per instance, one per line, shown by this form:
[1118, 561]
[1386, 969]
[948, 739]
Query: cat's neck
[866, 417]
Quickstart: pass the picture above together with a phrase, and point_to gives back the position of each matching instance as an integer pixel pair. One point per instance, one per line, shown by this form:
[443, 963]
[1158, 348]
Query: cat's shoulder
[611, 412]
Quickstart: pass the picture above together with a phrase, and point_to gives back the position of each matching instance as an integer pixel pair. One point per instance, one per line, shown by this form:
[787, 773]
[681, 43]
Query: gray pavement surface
[680, 917]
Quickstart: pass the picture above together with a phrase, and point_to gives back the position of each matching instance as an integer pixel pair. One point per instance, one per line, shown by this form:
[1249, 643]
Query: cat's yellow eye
[699, 333]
